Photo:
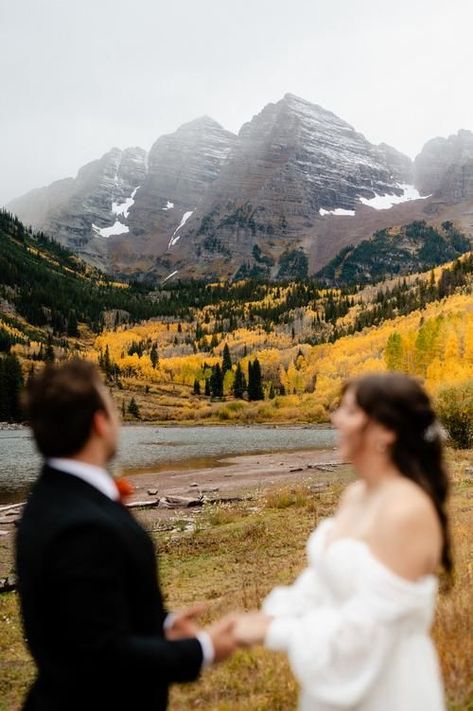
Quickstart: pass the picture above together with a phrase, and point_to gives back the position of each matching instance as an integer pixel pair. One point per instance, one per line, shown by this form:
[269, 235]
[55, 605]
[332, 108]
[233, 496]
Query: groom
[93, 612]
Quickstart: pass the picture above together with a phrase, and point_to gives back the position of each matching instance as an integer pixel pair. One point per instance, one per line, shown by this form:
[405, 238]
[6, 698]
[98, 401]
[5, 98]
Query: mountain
[278, 200]
[182, 168]
[395, 252]
[291, 164]
[444, 167]
[82, 213]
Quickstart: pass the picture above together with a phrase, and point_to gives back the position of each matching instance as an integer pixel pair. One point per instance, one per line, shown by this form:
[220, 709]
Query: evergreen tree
[216, 381]
[154, 357]
[72, 326]
[133, 408]
[207, 387]
[227, 361]
[49, 356]
[239, 384]
[11, 383]
[258, 381]
[251, 385]
[107, 362]
[196, 387]
[255, 383]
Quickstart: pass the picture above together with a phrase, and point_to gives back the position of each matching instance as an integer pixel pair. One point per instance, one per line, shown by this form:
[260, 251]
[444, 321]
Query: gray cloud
[80, 77]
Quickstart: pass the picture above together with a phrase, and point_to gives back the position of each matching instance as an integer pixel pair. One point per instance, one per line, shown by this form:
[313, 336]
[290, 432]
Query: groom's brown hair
[60, 403]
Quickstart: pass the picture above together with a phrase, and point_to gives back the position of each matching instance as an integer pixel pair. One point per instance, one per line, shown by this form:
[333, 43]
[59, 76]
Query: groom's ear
[100, 423]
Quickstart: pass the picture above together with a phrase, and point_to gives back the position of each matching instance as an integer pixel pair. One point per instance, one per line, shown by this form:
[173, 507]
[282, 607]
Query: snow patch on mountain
[123, 208]
[183, 221]
[118, 228]
[337, 211]
[169, 206]
[384, 202]
[170, 275]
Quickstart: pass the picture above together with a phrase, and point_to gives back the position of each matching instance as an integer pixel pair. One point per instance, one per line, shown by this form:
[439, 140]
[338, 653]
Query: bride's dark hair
[400, 403]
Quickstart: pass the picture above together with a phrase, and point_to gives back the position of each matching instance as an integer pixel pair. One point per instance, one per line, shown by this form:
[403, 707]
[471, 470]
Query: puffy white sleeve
[305, 593]
[336, 653]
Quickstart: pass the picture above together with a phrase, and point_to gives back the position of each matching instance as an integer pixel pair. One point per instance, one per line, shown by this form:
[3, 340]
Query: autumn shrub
[231, 411]
[454, 405]
[314, 412]
[287, 497]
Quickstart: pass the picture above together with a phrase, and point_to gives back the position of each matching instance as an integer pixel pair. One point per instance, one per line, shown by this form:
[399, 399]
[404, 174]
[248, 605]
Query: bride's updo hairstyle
[400, 403]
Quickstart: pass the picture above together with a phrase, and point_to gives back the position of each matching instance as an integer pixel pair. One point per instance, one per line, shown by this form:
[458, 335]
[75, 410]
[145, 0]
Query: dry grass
[453, 629]
[235, 555]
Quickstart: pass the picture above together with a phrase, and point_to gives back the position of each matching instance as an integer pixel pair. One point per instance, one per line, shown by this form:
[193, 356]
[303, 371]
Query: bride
[355, 624]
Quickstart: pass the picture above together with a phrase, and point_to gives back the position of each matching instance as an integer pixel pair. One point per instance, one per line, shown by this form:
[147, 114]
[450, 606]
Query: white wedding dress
[356, 633]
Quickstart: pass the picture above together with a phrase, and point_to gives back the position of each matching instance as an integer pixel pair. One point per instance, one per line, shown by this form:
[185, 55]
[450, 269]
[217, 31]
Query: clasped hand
[227, 634]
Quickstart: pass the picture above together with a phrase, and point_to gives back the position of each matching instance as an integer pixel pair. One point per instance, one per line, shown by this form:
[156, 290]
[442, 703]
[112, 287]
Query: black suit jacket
[92, 609]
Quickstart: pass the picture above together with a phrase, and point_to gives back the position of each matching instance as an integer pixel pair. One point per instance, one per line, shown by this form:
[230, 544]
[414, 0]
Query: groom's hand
[223, 639]
[183, 623]
[251, 628]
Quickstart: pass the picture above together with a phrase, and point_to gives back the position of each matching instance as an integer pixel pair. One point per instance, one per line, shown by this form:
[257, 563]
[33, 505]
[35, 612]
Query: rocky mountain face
[279, 199]
[83, 212]
[290, 166]
[181, 170]
[444, 167]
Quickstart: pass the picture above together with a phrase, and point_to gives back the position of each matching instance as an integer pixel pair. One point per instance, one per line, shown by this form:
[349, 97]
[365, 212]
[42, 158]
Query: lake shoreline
[185, 424]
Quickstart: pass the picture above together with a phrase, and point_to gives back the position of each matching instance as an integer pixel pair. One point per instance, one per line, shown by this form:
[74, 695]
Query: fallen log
[326, 464]
[11, 519]
[143, 504]
[8, 584]
[180, 502]
[229, 499]
[11, 506]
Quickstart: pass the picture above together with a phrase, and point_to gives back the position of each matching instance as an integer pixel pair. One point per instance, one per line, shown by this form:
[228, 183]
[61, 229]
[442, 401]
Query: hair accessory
[435, 431]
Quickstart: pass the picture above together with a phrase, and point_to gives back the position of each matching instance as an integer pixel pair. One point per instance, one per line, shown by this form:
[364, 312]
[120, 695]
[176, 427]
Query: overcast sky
[80, 76]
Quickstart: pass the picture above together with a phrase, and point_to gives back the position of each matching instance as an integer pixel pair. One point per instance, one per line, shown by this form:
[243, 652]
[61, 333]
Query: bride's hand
[251, 628]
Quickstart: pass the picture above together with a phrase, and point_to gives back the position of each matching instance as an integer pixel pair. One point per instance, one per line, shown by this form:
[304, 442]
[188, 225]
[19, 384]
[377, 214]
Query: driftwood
[11, 507]
[320, 465]
[12, 519]
[147, 504]
[230, 499]
[180, 502]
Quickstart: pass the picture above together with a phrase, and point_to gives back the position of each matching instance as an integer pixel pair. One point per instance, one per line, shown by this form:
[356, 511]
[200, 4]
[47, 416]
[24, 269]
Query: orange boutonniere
[125, 489]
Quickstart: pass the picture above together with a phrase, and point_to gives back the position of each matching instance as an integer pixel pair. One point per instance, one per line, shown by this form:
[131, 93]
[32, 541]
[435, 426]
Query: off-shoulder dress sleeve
[298, 598]
[336, 652]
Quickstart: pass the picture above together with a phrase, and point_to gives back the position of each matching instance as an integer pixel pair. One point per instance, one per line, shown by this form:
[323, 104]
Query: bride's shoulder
[405, 503]
[408, 535]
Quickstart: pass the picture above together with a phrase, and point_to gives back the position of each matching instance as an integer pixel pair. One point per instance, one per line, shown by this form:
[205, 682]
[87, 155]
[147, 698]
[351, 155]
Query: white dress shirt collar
[95, 476]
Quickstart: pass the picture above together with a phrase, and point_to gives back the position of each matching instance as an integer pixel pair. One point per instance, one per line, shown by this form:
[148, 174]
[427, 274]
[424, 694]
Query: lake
[149, 447]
